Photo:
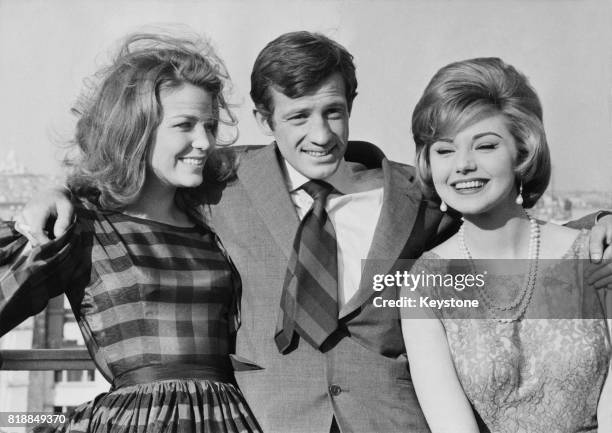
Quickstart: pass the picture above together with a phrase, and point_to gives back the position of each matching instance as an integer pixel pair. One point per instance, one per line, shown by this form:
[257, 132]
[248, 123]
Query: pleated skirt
[168, 406]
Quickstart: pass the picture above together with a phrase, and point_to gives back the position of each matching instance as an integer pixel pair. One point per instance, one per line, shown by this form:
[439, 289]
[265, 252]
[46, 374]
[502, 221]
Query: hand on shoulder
[34, 219]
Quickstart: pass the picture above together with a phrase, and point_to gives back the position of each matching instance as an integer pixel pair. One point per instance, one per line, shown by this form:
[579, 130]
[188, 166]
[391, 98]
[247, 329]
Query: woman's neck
[500, 235]
[157, 203]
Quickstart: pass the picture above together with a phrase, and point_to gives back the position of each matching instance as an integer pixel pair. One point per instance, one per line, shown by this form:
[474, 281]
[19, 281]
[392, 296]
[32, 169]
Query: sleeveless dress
[531, 375]
[158, 307]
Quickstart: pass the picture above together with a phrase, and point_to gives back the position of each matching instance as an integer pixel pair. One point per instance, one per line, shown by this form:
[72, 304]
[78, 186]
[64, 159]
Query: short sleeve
[28, 281]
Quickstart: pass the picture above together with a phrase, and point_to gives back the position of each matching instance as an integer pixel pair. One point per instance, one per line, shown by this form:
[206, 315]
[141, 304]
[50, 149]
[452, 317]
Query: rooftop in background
[10, 165]
[18, 185]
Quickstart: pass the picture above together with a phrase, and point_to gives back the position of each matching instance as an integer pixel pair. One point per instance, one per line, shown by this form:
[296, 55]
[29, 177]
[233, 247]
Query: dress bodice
[533, 375]
[144, 293]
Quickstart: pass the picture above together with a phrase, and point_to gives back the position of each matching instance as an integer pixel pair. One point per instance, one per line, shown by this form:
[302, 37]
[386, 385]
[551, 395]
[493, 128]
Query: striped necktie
[309, 302]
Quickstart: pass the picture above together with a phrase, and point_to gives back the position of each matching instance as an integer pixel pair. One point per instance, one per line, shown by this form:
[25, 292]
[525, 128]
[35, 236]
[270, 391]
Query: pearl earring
[443, 207]
[519, 197]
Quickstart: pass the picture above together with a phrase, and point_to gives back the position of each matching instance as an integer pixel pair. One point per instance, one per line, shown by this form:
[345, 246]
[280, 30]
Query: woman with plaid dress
[155, 295]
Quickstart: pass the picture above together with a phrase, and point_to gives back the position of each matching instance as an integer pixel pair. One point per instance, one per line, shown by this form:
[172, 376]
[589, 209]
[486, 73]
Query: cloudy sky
[563, 46]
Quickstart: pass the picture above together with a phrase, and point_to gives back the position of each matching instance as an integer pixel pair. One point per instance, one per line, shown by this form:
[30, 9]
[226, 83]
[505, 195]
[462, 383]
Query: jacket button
[335, 390]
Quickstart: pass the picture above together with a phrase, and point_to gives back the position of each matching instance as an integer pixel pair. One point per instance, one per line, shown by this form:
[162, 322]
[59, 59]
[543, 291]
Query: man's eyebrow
[293, 112]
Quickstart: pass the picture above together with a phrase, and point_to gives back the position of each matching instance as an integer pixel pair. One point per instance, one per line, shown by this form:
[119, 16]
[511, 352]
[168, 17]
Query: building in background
[17, 184]
[57, 391]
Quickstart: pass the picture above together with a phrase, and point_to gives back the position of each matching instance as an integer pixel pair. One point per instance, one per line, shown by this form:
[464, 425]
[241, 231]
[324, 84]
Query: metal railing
[46, 359]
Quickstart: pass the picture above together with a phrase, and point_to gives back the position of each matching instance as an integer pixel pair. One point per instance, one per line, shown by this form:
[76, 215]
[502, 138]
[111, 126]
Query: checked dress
[158, 307]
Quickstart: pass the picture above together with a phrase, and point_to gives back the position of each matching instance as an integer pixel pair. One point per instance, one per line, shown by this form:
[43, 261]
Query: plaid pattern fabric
[197, 407]
[310, 292]
[144, 293]
[27, 282]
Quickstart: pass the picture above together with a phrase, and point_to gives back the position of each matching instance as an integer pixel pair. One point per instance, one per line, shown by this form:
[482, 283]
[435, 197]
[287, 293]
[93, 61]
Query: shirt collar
[295, 180]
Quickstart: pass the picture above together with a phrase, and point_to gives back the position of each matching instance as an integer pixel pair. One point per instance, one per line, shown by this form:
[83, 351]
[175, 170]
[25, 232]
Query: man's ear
[263, 122]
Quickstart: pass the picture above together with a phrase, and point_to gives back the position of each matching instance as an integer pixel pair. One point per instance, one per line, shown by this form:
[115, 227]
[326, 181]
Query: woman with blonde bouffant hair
[533, 353]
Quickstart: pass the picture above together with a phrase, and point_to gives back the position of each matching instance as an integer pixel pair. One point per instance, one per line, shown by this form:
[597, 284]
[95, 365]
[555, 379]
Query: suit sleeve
[586, 222]
[448, 226]
[28, 281]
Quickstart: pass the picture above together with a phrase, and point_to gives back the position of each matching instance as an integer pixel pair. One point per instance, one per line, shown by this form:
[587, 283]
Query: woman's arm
[437, 386]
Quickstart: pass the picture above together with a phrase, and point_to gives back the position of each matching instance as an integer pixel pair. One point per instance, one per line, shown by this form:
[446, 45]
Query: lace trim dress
[148, 297]
[532, 375]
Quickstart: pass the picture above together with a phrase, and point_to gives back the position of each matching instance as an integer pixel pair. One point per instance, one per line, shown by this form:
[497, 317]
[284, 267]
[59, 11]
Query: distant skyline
[563, 46]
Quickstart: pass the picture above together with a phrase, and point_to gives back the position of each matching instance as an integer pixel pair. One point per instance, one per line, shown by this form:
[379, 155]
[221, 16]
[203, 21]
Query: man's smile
[319, 153]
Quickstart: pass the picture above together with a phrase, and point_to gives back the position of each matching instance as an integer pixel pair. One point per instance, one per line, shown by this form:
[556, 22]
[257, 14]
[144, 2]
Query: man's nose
[203, 138]
[320, 132]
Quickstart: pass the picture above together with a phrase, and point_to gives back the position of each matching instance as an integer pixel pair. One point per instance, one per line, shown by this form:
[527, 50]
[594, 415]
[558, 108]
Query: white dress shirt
[354, 217]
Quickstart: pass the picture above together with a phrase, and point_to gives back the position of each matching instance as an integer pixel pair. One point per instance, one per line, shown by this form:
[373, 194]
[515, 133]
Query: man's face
[311, 131]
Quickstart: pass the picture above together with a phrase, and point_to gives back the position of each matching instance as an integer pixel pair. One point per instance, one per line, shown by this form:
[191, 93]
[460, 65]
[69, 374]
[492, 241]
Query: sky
[563, 46]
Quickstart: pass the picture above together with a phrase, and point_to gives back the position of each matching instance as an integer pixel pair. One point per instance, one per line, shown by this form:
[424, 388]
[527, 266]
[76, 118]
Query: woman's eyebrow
[482, 134]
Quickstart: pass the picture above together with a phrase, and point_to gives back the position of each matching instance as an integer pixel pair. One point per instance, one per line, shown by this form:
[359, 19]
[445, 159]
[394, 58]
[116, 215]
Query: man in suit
[353, 375]
[303, 86]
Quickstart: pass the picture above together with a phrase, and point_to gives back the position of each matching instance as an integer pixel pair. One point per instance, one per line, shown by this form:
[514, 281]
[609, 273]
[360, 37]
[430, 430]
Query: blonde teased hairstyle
[120, 111]
[463, 93]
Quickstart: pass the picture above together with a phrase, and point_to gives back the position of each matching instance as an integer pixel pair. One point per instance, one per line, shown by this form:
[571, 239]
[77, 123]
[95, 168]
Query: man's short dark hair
[295, 64]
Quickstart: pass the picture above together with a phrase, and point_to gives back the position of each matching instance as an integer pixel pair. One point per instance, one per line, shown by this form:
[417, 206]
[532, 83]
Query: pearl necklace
[524, 297]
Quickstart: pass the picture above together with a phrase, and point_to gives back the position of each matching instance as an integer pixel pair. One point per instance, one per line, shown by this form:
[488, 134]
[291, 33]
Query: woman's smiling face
[473, 172]
[184, 138]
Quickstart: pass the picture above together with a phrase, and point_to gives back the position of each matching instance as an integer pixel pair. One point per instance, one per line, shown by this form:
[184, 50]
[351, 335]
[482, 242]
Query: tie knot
[317, 189]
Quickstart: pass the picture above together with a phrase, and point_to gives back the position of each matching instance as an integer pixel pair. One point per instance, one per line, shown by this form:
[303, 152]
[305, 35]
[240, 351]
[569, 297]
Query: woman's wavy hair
[120, 111]
[463, 93]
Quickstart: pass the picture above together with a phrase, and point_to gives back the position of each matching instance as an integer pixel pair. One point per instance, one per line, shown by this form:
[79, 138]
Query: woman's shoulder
[119, 227]
[87, 216]
[562, 242]
[92, 222]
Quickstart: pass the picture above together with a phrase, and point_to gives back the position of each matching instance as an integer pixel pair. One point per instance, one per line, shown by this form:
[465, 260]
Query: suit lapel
[401, 201]
[272, 201]
[269, 195]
